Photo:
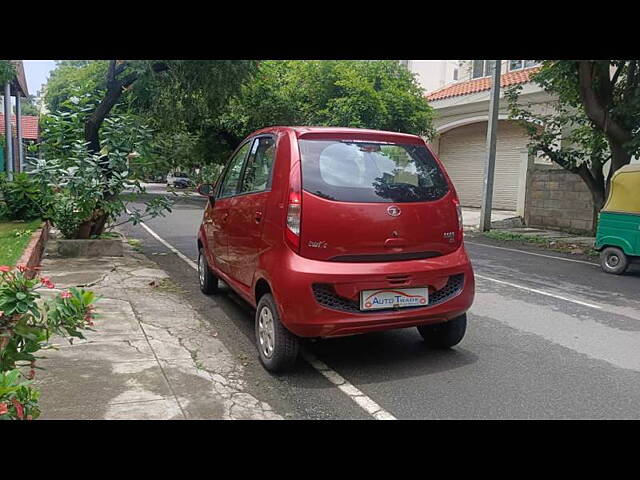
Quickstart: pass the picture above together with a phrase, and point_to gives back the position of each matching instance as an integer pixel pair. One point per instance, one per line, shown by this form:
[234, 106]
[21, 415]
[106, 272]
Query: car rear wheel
[613, 260]
[208, 280]
[446, 334]
[277, 346]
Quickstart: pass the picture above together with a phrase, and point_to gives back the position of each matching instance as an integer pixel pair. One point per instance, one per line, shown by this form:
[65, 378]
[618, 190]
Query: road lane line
[362, 400]
[532, 253]
[540, 292]
[189, 262]
[359, 398]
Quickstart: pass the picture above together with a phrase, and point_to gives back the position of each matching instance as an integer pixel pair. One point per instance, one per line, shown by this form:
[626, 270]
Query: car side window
[257, 172]
[229, 185]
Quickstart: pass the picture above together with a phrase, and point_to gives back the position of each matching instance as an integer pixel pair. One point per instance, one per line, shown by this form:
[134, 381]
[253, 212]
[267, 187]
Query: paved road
[547, 338]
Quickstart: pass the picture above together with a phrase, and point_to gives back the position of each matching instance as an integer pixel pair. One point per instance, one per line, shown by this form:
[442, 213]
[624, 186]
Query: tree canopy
[595, 120]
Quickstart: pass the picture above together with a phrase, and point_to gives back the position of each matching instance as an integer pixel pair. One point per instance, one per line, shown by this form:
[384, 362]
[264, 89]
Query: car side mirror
[206, 190]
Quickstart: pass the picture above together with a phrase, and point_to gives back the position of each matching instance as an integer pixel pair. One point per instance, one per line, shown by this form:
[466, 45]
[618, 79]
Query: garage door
[462, 150]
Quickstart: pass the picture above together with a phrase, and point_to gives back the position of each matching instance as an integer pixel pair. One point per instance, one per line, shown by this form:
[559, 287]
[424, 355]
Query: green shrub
[21, 198]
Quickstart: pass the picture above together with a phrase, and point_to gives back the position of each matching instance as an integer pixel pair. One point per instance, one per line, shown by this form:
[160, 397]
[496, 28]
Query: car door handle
[258, 217]
[225, 216]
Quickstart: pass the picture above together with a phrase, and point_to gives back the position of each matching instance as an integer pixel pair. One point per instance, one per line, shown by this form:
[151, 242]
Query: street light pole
[490, 164]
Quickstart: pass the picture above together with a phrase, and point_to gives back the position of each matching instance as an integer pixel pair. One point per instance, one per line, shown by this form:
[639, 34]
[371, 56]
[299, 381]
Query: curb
[32, 255]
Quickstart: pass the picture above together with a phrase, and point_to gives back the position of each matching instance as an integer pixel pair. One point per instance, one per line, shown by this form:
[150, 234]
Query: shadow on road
[382, 355]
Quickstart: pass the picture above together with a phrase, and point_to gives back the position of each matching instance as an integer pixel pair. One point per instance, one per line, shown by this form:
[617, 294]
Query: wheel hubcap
[201, 268]
[266, 332]
[613, 261]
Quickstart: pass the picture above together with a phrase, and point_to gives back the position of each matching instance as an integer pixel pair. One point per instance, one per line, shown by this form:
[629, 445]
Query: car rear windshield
[352, 171]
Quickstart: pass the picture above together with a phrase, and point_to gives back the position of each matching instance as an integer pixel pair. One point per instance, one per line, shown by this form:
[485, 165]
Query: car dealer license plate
[394, 298]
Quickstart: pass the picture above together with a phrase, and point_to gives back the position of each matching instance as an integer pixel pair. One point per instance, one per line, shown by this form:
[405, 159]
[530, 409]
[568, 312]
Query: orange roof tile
[29, 126]
[482, 84]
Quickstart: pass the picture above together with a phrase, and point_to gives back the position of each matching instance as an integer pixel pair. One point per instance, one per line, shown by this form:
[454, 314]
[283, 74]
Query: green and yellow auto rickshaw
[618, 237]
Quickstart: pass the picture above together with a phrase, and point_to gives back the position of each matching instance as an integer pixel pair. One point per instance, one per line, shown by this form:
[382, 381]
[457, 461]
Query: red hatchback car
[337, 231]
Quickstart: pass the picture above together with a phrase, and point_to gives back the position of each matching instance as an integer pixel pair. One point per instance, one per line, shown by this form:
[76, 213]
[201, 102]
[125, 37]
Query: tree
[367, 94]
[73, 78]
[28, 107]
[595, 120]
[162, 84]
[7, 71]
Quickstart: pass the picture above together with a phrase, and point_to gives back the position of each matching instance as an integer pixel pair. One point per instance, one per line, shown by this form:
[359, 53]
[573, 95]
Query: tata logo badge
[393, 211]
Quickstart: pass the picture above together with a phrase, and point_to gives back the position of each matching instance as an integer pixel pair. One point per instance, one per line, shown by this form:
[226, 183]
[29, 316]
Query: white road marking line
[189, 262]
[531, 253]
[364, 402]
[540, 292]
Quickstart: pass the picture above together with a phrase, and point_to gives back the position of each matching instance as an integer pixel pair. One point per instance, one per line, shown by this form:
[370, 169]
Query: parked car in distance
[178, 180]
[337, 231]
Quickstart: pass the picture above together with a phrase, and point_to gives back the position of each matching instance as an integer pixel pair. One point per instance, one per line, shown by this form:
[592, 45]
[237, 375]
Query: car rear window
[352, 171]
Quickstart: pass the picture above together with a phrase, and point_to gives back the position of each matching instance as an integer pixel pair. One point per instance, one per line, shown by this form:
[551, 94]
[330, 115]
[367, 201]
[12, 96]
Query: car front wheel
[277, 346]
[208, 280]
[446, 334]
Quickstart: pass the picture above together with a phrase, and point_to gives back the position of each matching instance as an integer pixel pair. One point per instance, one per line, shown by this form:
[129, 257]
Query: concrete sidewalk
[151, 357]
[499, 218]
[509, 221]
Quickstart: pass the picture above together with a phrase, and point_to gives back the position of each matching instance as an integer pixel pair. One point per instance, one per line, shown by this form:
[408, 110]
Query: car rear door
[246, 219]
[218, 222]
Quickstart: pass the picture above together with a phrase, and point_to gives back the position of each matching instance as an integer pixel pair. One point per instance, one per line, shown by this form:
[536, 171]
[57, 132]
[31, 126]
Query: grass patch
[108, 235]
[14, 237]
[136, 244]
[549, 243]
[512, 236]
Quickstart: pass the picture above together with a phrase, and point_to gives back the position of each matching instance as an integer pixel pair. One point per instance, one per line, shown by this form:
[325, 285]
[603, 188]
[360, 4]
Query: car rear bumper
[321, 299]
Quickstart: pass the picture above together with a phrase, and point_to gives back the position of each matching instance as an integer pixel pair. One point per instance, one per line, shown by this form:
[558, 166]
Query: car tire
[277, 346]
[208, 279]
[613, 260]
[444, 335]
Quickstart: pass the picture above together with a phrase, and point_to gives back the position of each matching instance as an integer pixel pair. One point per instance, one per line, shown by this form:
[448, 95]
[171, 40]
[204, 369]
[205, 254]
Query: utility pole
[8, 161]
[490, 164]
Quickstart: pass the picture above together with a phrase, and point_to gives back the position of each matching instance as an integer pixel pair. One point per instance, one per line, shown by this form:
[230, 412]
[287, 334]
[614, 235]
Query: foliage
[28, 107]
[595, 120]
[380, 95]
[72, 78]
[80, 186]
[7, 71]
[21, 197]
[26, 328]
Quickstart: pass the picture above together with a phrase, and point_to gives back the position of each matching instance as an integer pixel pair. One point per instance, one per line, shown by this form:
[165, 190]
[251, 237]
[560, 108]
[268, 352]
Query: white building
[434, 74]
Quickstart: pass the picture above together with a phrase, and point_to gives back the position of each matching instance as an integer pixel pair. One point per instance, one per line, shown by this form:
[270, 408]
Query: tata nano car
[337, 231]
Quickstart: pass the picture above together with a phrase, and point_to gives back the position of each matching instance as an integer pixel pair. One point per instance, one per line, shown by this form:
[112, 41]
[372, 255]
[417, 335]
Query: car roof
[300, 131]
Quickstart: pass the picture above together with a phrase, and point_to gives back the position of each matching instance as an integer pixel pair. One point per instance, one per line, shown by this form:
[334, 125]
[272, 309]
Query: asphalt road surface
[548, 337]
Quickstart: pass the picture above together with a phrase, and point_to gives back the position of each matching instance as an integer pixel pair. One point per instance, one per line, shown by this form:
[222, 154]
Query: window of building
[482, 68]
[520, 64]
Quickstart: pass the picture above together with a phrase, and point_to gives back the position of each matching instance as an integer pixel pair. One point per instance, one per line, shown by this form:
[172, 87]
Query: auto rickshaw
[618, 236]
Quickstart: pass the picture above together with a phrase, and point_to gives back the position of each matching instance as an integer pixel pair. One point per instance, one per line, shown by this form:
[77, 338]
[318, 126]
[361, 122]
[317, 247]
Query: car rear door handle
[258, 217]
[395, 242]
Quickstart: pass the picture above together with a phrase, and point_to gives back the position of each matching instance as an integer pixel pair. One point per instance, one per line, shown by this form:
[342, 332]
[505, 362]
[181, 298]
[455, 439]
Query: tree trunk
[92, 136]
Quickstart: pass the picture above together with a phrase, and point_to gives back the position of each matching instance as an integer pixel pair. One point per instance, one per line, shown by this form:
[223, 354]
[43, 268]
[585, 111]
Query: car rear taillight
[459, 210]
[294, 208]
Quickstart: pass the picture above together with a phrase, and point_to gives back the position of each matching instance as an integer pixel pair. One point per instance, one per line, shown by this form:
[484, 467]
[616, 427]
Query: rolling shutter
[462, 150]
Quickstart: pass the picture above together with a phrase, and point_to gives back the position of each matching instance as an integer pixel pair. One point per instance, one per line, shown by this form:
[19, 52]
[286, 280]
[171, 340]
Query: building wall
[556, 198]
[433, 74]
